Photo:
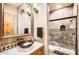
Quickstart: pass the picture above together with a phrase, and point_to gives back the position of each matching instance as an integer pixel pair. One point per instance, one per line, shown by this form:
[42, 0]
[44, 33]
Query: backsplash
[11, 42]
[8, 43]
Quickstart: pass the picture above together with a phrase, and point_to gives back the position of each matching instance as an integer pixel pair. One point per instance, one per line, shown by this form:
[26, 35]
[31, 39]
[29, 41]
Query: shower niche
[62, 36]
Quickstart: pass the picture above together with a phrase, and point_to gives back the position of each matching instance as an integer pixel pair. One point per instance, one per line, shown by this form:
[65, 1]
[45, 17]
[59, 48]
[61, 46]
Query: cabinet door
[39, 51]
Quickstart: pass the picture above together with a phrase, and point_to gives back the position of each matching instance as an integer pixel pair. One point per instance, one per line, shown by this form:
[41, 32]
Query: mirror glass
[17, 19]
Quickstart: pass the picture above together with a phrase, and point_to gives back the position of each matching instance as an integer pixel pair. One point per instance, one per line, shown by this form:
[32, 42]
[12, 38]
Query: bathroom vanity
[36, 49]
[14, 26]
[9, 42]
[17, 31]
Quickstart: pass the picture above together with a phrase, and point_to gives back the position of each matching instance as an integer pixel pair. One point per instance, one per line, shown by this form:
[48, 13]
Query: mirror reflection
[17, 19]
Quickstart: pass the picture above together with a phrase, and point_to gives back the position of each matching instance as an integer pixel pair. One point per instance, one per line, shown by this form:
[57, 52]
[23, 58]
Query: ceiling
[17, 4]
[54, 6]
[13, 4]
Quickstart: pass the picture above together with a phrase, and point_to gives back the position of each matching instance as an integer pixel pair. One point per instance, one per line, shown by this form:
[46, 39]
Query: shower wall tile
[78, 28]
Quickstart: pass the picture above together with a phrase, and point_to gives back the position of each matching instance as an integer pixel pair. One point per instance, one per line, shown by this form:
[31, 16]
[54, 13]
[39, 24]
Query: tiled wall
[63, 39]
[8, 43]
[78, 30]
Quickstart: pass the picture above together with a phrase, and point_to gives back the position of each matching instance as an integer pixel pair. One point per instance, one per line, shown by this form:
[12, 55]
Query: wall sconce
[28, 11]
[22, 11]
[29, 14]
[36, 8]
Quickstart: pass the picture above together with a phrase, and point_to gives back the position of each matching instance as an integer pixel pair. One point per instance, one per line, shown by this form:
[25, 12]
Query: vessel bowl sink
[25, 44]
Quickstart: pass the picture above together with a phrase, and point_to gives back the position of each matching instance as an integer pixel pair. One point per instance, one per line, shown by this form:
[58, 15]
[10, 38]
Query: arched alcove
[62, 28]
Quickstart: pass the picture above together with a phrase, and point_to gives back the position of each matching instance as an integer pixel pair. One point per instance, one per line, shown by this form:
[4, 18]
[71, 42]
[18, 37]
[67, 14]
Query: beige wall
[65, 12]
[61, 13]
[40, 20]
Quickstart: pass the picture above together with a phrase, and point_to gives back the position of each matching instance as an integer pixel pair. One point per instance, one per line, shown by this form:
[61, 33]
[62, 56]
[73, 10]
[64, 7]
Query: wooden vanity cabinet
[1, 21]
[39, 51]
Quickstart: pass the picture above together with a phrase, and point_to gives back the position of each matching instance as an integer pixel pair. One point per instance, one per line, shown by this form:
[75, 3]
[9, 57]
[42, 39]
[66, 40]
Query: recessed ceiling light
[58, 6]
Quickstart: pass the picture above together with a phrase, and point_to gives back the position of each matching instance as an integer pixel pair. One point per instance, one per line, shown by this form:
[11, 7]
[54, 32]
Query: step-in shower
[63, 36]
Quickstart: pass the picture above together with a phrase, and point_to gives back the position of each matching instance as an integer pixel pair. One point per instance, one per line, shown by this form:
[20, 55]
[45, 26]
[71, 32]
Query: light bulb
[34, 5]
[27, 9]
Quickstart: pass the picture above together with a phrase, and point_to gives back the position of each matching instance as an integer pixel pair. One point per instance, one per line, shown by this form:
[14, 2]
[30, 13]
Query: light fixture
[28, 11]
[22, 11]
[36, 8]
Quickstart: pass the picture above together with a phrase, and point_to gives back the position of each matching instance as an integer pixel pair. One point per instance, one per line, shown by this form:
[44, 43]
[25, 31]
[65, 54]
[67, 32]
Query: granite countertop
[23, 51]
[15, 35]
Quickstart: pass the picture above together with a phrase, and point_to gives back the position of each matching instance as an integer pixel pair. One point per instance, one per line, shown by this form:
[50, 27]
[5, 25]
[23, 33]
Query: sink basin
[25, 44]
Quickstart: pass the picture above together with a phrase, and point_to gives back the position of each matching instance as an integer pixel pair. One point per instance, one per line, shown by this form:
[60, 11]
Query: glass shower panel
[62, 36]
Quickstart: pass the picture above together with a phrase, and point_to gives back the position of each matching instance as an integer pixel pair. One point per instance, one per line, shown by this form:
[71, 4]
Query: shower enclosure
[63, 36]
